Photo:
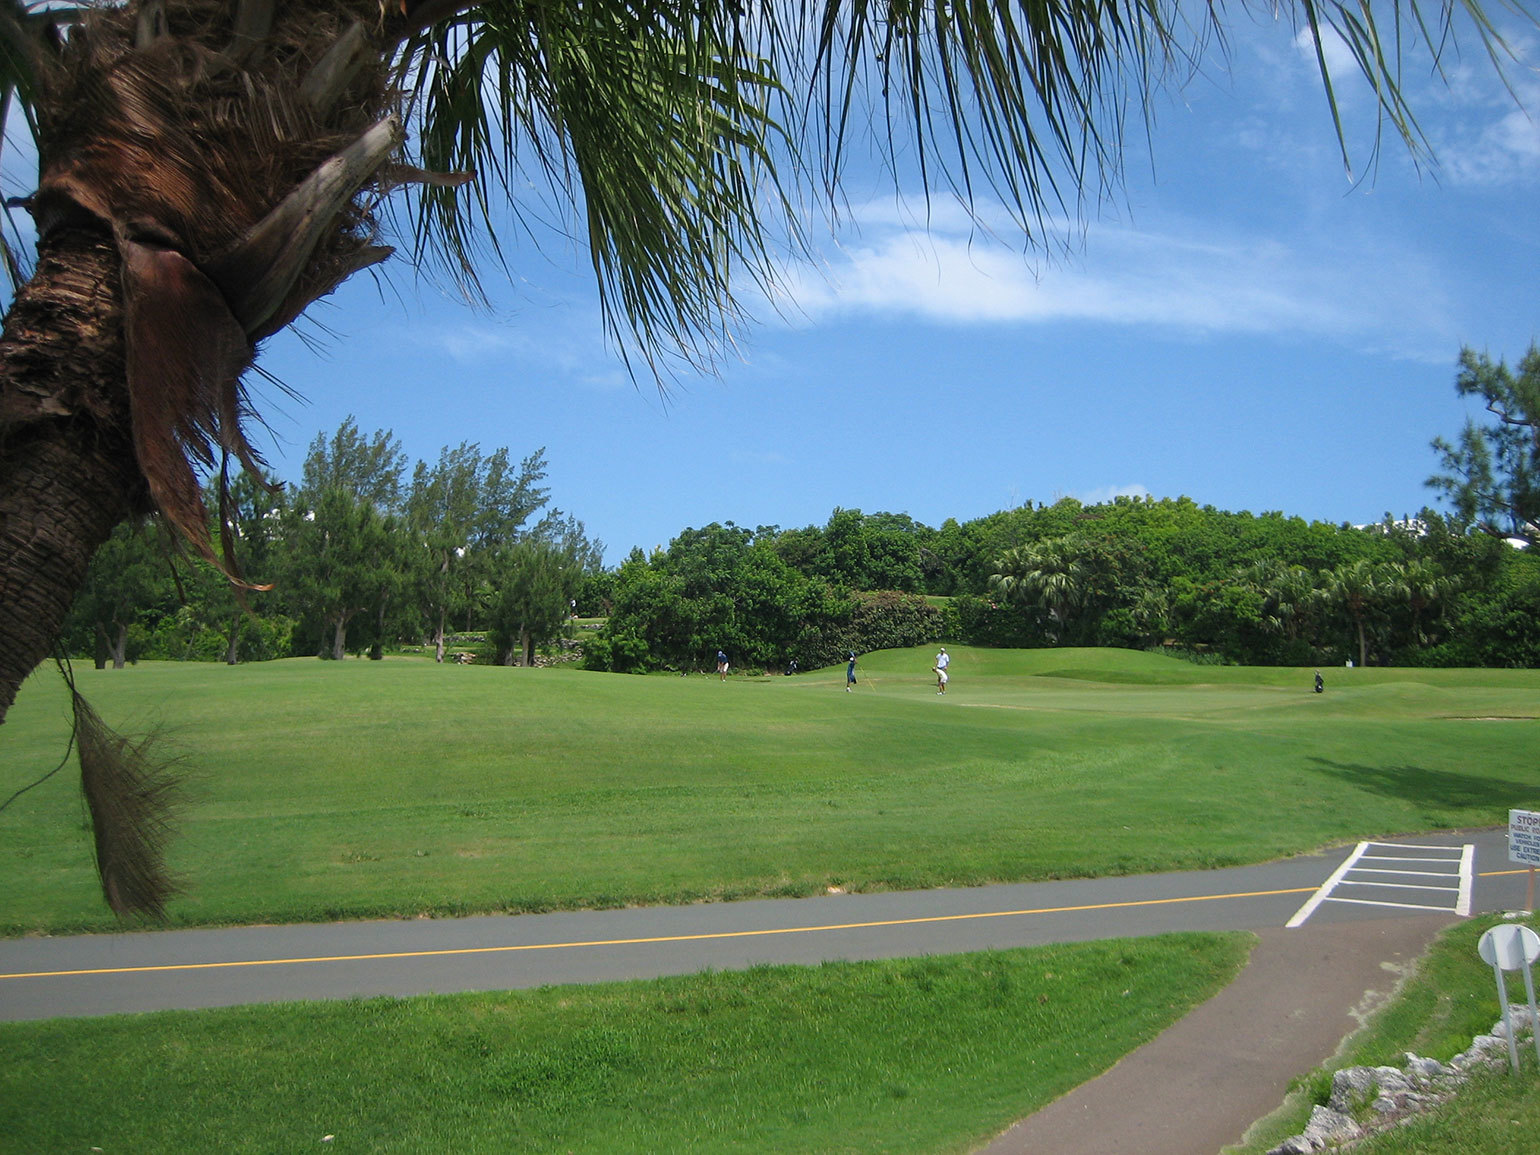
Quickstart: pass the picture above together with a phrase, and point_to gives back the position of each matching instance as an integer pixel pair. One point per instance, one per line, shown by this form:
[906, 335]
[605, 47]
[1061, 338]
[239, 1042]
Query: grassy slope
[356, 789]
[917, 1055]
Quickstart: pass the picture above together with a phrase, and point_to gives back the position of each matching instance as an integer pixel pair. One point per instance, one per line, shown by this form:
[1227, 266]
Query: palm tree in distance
[1424, 586]
[1363, 588]
[1290, 596]
[1054, 574]
[207, 169]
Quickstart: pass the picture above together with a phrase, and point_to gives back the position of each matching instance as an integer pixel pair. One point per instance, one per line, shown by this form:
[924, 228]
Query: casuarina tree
[207, 169]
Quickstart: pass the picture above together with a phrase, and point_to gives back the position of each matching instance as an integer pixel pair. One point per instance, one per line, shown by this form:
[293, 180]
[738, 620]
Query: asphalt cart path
[1358, 918]
[1199, 1085]
[1310, 982]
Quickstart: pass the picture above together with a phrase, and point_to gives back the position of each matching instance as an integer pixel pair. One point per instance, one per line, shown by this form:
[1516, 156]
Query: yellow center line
[445, 952]
[448, 951]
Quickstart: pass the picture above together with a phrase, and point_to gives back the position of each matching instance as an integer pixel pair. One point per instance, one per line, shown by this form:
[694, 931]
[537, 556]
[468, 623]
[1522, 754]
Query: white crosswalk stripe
[1429, 870]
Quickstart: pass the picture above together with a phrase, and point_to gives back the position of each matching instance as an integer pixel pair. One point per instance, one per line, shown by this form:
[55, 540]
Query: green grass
[920, 1055]
[1451, 998]
[321, 790]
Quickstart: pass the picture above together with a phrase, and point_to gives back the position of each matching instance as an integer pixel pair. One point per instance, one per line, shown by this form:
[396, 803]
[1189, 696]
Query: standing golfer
[943, 660]
[850, 672]
[722, 665]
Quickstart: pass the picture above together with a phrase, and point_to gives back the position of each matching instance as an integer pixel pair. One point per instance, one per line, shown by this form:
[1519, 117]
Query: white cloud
[1188, 278]
[470, 343]
[1495, 143]
[1476, 106]
[1340, 61]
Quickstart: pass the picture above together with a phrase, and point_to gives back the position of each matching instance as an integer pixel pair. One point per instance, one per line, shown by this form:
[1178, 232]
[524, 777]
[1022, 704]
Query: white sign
[1524, 836]
[1509, 946]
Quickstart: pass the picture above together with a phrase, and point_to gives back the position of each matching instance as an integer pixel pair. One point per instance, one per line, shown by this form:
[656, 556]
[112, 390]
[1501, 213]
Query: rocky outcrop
[1365, 1100]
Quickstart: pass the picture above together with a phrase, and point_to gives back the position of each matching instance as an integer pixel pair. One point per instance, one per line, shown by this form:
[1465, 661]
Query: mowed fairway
[324, 790]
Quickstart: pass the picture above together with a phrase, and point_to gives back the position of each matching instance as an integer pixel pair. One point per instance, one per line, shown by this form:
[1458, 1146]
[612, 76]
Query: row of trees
[359, 556]
[735, 589]
[1135, 572]
[1267, 590]
[361, 559]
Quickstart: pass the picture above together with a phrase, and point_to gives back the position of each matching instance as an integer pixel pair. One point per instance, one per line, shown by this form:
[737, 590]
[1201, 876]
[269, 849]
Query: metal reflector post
[1510, 948]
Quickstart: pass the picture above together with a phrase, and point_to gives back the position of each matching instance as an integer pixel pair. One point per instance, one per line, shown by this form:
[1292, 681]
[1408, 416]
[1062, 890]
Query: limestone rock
[1329, 1127]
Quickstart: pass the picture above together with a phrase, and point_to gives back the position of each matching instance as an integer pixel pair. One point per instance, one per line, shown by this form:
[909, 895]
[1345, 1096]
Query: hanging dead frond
[129, 792]
[186, 354]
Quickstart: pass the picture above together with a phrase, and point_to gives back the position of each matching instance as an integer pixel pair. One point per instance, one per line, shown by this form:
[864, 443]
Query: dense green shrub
[990, 622]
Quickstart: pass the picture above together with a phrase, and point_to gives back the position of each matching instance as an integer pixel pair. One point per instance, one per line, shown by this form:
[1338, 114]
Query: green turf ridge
[909, 1055]
[1448, 1000]
[322, 790]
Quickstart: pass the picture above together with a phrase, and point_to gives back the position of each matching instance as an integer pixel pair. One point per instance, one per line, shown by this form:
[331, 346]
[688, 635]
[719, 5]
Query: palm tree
[1424, 586]
[1054, 574]
[1289, 596]
[1362, 588]
[207, 169]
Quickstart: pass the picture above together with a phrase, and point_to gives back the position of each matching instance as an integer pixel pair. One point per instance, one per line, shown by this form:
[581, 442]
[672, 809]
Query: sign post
[1508, 948]
[1524, 846]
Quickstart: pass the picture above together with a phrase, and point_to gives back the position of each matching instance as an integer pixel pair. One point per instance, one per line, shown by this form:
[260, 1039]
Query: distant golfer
[850, 672]
[943, 660]
[722, 665]
[1320, 683]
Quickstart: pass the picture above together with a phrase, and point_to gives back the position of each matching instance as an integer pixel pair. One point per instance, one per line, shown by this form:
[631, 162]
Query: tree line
[1263, 589]
[362, 555]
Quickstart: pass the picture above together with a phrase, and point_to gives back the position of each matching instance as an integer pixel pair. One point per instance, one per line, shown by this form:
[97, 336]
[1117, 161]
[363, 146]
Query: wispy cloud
[1188, 277]
[1506, 150]
[1487, 133]
[1339, 58]
[565, 343]
[1476, 105]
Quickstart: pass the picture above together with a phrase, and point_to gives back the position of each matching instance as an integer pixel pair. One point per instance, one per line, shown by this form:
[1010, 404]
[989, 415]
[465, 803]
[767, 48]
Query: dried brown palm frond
[129, 792]
[227, 166]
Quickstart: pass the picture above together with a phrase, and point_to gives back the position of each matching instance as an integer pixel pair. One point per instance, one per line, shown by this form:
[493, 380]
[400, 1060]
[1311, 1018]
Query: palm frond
[675, 137]
[129, 792]
[652, 117]
[1027, 100]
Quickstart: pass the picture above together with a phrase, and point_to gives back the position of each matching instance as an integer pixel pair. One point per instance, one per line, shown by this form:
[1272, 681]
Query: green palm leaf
[645, 116]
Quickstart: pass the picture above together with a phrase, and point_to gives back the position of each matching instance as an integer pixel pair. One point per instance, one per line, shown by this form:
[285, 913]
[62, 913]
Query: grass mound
[325, 790]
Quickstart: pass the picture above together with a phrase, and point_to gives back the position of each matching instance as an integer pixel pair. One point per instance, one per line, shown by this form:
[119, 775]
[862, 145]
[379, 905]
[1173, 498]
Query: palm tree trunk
[233, 647]
[67, 468]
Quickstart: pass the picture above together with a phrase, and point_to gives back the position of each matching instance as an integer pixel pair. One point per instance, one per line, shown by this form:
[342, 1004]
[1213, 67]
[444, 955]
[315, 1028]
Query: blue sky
[1241, 324]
